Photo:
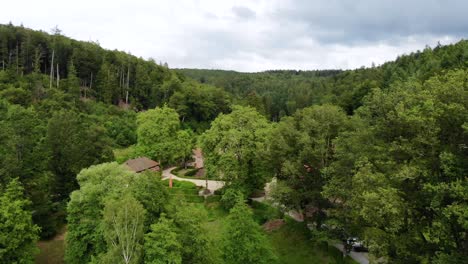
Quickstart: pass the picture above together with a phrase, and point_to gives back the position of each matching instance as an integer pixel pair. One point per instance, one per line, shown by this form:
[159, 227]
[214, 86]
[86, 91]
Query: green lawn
[290, 242]
[293, 246]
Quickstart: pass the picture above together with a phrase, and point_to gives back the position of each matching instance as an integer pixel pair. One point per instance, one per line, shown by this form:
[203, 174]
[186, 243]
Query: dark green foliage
[379, 152]
[191, 172]
[197, 105]
[213, 198]
[263, 212]
[279, 93]
[408, 170]
[74, 143]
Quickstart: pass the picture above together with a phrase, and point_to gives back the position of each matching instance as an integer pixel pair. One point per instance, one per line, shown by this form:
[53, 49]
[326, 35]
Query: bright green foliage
[85, 237]
[196, 246]
[18, 234]
[162, 244]
[245, 242]
[123, 229]
[158, 135]
[96, 212]
[235, 147]
[150, 191]
[231, 197]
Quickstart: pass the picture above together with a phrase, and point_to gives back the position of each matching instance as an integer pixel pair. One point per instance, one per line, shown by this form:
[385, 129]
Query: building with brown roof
[142, 164]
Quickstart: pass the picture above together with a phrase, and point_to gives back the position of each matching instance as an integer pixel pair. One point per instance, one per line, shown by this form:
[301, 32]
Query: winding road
[212, 185]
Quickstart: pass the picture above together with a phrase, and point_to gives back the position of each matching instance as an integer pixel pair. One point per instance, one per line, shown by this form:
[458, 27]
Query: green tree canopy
[235, 146]
[18, 234]
[162, 244]
[245, 242]
[160, 137]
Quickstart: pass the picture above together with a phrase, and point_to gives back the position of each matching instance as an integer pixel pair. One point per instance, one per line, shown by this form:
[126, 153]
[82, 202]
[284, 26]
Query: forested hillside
[380, 153]
[280, 93]
[59, 110]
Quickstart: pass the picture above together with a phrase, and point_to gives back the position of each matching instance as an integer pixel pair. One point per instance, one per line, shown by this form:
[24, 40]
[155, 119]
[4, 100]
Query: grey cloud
[243, 12]
[248, 35]
[354, 22]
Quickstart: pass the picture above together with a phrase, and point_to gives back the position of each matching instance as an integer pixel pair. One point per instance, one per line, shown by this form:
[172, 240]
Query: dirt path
[212, 185]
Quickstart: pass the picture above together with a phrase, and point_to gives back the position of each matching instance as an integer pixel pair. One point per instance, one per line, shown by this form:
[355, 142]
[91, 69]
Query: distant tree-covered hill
[281, 92]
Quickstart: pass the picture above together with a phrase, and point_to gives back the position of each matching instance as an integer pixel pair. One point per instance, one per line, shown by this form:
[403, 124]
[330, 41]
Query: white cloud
[249, 35]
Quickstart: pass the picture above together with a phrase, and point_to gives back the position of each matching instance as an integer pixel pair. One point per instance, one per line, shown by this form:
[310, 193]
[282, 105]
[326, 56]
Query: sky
[252, 35]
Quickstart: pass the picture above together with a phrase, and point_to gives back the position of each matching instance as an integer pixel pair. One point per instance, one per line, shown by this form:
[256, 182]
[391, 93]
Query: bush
[219, 191]
[231, 197]
[184, 191]
[263, 212]
[191, 172]
[123, 154]
[194, 199]
[213, 198]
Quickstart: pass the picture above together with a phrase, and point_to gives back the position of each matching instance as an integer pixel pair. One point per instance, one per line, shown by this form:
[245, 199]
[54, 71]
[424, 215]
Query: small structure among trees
[142, 164]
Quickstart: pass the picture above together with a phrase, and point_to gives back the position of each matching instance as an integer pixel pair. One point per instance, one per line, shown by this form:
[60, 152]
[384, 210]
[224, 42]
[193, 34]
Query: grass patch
[181, 184]
[292, 245]
[189, 173]
[52, 251]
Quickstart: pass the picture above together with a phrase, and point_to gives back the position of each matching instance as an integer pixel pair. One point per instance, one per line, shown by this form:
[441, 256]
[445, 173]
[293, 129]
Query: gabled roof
[141, 164]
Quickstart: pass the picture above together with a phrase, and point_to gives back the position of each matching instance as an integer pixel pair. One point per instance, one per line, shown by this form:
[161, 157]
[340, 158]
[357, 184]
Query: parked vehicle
[357, 244]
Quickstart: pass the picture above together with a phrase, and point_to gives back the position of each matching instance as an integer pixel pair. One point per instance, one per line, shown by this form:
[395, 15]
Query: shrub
[184, 191]
[231, 197]
[191, 172]
[264, 212]
[194, 199]
[213, 198]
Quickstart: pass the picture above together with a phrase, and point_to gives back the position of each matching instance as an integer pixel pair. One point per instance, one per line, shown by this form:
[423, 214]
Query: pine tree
[73, 82]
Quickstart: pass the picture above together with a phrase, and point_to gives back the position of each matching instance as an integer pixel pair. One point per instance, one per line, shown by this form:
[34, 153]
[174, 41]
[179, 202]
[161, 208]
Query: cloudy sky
[252, 35]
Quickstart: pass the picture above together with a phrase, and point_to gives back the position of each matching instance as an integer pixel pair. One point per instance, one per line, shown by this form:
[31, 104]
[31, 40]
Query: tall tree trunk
[91, 82]
[128, 84]
[52, 70]
[58, 76]
[17, 58]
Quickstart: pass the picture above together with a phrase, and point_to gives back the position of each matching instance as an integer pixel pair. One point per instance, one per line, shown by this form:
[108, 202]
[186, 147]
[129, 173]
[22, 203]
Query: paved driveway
[212, 185]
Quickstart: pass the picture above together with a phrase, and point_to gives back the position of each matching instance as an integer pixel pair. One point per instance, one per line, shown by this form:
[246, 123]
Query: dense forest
[380, 153]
